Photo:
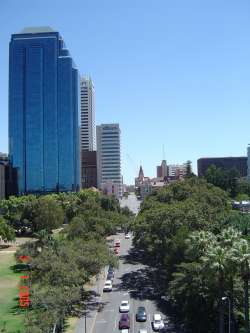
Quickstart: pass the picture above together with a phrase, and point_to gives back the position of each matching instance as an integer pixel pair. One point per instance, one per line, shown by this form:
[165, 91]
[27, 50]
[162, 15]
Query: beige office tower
[109, 178]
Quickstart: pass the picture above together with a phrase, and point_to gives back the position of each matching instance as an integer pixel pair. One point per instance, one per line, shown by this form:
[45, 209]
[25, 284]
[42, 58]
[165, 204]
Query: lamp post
[229, 311]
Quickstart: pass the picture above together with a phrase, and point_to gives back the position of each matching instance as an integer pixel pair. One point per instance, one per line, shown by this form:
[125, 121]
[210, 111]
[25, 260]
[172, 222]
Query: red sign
[24, 300]
[24, 258]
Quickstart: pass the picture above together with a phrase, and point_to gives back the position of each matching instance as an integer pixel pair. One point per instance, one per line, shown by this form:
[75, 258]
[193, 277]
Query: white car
[124, 307]
[127, 236]
[157, 322]
[107, 286]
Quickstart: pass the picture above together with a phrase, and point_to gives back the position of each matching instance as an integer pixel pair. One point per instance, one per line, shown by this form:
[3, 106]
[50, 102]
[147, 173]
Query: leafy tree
[7, 233]
[189, 172]
[48, 214]
[228, 180]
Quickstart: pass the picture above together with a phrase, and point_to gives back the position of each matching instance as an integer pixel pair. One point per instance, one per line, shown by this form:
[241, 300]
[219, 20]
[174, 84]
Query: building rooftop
[35, 30]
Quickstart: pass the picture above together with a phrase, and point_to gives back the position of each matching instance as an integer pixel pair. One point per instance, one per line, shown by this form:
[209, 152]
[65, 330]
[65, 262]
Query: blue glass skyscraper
[44, 117]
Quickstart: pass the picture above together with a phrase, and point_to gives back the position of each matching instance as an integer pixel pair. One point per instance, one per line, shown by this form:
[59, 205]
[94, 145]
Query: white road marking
[102, 321]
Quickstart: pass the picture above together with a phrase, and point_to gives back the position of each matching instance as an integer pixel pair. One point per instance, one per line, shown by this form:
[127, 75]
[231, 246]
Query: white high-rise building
[109, 177]
[88, 130]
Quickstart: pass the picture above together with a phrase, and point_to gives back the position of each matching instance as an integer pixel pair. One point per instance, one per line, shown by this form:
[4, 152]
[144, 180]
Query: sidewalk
[92, 305]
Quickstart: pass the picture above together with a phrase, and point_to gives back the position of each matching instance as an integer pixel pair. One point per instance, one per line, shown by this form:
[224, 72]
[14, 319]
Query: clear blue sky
[171, 72]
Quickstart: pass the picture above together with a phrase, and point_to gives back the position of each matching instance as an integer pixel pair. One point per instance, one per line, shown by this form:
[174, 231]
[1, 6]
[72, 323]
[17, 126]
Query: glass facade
[43, 113]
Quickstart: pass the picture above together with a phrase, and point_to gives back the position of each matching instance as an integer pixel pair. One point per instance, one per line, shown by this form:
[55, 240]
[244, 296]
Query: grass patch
[11, 316]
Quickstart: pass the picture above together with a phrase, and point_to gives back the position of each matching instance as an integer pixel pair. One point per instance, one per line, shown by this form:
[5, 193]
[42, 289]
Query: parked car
[127, 236]
[124, 322]
[107, 285]
[124, 307]
[141, 314]
[157, 322]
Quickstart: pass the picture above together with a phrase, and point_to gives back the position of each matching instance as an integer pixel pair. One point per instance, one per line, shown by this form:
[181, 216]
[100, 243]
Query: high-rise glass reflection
[43, 112]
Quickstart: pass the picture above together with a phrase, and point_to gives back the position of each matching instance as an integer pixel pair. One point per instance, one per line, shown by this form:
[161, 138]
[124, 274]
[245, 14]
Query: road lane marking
[102, 321]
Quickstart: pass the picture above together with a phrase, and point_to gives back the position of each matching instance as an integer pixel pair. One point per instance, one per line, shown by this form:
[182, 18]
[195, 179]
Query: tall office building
[44, 118]
[109, 177]
[225, 163]
[88, 130]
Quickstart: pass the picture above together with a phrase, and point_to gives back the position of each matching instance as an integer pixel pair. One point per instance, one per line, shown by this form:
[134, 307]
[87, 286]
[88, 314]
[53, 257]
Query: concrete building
[88, 129]
[89, 169]
[162, 170]
[109, 178]
[4, 158]
[2, 181]
[44, 117]
[177, 171]
[226, 163]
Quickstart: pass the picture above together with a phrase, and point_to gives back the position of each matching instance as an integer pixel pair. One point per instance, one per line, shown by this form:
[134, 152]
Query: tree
[7, 233]
[189, 172]
[242, 253]
[48, 215]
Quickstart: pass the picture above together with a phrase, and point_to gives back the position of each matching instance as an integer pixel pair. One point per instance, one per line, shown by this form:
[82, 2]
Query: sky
[175, 74]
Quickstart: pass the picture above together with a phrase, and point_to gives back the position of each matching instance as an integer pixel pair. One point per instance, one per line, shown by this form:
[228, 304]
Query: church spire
[141, 173]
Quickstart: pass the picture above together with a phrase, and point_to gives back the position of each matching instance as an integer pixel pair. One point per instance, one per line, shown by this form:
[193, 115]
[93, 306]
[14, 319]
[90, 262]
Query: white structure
[177, 170]
[88, 133]
[248, 162]
[109, 177]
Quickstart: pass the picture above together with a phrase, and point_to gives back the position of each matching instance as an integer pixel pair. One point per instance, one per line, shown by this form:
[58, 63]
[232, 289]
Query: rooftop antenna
[163, 152]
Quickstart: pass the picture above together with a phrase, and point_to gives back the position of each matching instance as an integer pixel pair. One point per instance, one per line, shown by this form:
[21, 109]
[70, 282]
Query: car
[124, 307]
[116, 250]
[127, 236]
[157, 322]
[141, 314]
[107, 285]
[110, 276]
[111, 269]
[143, 330]
[117, 243]
[168, 328]
[124, 322]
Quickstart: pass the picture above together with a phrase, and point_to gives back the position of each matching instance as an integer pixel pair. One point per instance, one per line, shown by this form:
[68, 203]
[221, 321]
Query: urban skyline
[208, 85]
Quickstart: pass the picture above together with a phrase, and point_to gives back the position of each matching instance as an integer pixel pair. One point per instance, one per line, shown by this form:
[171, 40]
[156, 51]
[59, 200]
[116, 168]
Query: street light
[229, 312]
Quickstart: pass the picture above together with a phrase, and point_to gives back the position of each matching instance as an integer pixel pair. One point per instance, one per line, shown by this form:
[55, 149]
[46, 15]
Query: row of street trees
[201, 248]
[61, 264]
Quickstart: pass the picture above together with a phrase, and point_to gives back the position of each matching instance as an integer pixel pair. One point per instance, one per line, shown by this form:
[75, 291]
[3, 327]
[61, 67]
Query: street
[132, 282]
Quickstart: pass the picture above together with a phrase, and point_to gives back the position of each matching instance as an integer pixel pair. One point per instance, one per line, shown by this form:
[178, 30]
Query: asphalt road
[132, 282]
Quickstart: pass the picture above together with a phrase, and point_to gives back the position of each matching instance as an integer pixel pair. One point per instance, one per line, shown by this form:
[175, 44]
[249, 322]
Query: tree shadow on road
[147, 283]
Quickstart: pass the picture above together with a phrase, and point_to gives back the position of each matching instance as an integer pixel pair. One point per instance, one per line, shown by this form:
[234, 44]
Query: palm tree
[242, 252]
[216, 263]
[228, 238]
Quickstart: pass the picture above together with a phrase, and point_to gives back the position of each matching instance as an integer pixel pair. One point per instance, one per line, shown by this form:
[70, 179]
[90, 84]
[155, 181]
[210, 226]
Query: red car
[124, 321]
